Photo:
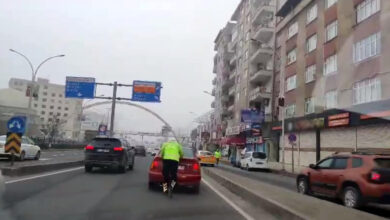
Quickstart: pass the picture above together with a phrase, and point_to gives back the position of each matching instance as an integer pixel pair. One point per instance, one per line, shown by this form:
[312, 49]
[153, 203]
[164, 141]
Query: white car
[28, 149]
[254, 160]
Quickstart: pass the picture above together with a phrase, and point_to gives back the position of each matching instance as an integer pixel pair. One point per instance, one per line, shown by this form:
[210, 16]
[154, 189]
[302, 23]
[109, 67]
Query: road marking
[234, 206]
[43, 175]
[45, 158]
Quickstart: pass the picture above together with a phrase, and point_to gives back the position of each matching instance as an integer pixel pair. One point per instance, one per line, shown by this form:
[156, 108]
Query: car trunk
[187, 165]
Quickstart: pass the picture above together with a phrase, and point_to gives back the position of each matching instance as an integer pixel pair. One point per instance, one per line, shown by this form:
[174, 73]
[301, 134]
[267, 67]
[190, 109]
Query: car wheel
[352, 197]
[22, 156]
[303, 186]
[88, 168]
[37, 156]
[122, 168]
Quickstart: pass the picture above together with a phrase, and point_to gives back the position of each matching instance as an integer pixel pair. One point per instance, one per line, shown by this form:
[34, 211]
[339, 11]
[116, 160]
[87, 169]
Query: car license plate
[103, 150]
[181, 167]
[259, 162]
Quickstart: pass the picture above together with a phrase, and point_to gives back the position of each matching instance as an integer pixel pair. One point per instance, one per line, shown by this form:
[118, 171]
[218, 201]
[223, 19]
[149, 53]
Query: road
[106, 195]
[288, 182]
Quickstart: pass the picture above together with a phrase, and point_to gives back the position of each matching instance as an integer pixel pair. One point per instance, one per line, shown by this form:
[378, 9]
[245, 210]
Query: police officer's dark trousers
[170, 170]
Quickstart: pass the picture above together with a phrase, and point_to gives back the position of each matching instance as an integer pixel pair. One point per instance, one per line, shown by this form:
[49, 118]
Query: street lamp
[208, 93]
[34, 72]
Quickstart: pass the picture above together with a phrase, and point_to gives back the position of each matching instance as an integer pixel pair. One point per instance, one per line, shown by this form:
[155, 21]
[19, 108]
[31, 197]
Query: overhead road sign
[17, 124]
[80, 87]
[146, 91]
[13, 143]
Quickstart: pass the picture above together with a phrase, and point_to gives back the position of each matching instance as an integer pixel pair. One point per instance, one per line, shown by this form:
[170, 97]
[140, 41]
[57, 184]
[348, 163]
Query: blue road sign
[292, 137]
[17, 124]
[80, 87]
[146, 91]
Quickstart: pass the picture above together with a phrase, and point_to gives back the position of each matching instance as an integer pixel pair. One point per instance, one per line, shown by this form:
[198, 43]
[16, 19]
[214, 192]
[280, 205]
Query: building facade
[331, 69]
[243, 65]
[52, 107]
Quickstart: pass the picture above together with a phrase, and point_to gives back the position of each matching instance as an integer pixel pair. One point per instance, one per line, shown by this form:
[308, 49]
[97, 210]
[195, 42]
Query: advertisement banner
[252, 116]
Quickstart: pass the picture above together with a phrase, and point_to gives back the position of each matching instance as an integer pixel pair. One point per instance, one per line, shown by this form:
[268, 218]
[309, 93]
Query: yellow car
[206, 158]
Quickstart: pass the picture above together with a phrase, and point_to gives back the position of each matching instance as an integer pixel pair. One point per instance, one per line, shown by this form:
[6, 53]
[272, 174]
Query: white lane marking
[62, 154]
[234, 206]
[43, 175]
[54, 155]
[45, 158]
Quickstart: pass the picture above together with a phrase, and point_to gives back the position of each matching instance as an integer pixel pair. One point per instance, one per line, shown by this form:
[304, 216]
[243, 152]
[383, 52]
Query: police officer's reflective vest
[171, 151]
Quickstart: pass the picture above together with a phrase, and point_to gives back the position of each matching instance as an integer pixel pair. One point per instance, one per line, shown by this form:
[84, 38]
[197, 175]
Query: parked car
[254, 160]
[140, 150]
[188, 174]
[109, 152]
[356, 179]
[29, 150]
[206, 158]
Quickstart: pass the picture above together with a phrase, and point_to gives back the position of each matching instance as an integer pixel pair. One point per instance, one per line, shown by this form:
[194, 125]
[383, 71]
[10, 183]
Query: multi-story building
[53, 107]
[331, 67]
[243, 67]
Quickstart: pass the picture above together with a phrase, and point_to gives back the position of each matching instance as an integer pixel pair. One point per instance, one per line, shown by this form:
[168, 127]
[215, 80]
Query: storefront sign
[338, 116]
[254, 140]
[256, 129]
[251, 115]
[310, 124]
[234, 130]
[339, 122]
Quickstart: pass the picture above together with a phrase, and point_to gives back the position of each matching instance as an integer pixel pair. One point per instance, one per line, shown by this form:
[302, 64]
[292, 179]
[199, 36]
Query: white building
[53, 107]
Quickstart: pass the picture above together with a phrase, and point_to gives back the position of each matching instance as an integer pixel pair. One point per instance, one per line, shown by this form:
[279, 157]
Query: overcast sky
[124, 40]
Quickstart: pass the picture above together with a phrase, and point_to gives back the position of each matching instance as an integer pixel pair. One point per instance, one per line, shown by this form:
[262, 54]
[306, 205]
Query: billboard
[252, 116]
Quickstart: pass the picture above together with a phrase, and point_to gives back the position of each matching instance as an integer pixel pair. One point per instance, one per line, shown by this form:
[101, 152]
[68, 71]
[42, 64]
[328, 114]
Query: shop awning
[233, 141]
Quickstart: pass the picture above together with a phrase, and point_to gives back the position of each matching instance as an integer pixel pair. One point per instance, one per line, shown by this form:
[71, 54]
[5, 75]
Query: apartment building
[331, 68]
[52, 106]
[243, 66]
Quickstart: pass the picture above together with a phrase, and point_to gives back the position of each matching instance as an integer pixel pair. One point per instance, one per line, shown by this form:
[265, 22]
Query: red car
[356, 178]
[188, 174]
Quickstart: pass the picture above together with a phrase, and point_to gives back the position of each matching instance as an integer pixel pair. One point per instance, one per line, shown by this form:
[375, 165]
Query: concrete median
[39, 168]
[282, 203]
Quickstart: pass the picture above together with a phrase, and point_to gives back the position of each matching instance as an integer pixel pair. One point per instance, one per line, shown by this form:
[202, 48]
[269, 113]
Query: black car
[140, 150]
[109, 152]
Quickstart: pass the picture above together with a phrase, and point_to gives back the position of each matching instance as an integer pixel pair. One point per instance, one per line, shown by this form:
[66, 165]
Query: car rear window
[383, 162]
[106, 142]
[188, 153]
[259, 155]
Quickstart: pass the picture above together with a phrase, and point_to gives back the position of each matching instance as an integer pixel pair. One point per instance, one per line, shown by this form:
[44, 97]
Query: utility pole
[113, 109]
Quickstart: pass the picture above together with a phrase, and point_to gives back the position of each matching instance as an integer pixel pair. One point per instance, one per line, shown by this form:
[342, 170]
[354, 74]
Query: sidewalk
[283, 203]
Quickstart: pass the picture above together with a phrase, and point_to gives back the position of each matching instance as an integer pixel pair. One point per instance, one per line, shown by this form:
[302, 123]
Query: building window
[58, 114]
[65, 115]
[329, 3]
[45, 87]
[310, 72]
[60, 95]
[311, 43]
[292, 56]
[367, 91]
[52, 100]
[35, 105]
[309, 105]
[51, 107]
[43, 106]
[331, 100]
[43, 112]
[50, 113]
[330, 66]
[50, 120]
[367, 8]
[66, 109]
[311, 14]
[53, 95]
[44, 100]
[42, 119]
[292, 30]
[366, 48]
[291, 83]
[331, 30]
[59, 107]
[290, 111]
[44, 93]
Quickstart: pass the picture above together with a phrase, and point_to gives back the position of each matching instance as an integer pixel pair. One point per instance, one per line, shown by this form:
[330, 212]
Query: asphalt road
[106, 195]
[288, 182]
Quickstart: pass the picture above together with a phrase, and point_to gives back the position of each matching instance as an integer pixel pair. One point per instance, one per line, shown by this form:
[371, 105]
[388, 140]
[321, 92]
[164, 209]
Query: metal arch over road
[134, 105]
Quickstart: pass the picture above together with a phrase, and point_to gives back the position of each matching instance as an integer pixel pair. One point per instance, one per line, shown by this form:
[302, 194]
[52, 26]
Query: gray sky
[161, 40]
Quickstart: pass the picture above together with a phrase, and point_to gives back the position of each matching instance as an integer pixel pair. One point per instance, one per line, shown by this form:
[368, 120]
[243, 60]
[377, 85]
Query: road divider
[282, 203]
[39, 168]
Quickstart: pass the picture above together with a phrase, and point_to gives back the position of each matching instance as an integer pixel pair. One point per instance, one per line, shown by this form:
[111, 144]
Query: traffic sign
[17, 124]
[146, 91]
[13, 143]
[102, 130]
[80, 87]
[292, 137]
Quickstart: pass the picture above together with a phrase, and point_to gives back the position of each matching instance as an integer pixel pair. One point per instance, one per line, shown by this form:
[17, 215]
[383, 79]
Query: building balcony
[233, 60]
[263, 13]
[214, 81]
[263, 33]
[258, 94]
[213, 92]
[232, 91]
[225, 97]
[262, 54]
[232, 76]
[213, 104]
[260, 76]
[226, 83]
[230, 108]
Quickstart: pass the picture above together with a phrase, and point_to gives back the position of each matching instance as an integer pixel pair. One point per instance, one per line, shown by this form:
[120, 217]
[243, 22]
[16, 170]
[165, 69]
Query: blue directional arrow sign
[80, 87]
[17, 124]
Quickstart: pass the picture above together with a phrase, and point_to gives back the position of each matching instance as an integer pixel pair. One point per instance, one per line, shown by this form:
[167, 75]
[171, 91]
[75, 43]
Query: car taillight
[196, 166]
[89, 147]
[154, 165]
[375, 176]
[118, 148]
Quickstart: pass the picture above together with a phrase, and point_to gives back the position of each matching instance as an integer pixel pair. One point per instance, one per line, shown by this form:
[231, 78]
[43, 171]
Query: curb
[26, 170]
[274, 207]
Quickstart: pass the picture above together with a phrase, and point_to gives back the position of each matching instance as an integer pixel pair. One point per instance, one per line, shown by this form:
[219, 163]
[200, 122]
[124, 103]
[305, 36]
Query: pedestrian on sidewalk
[217, 155]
